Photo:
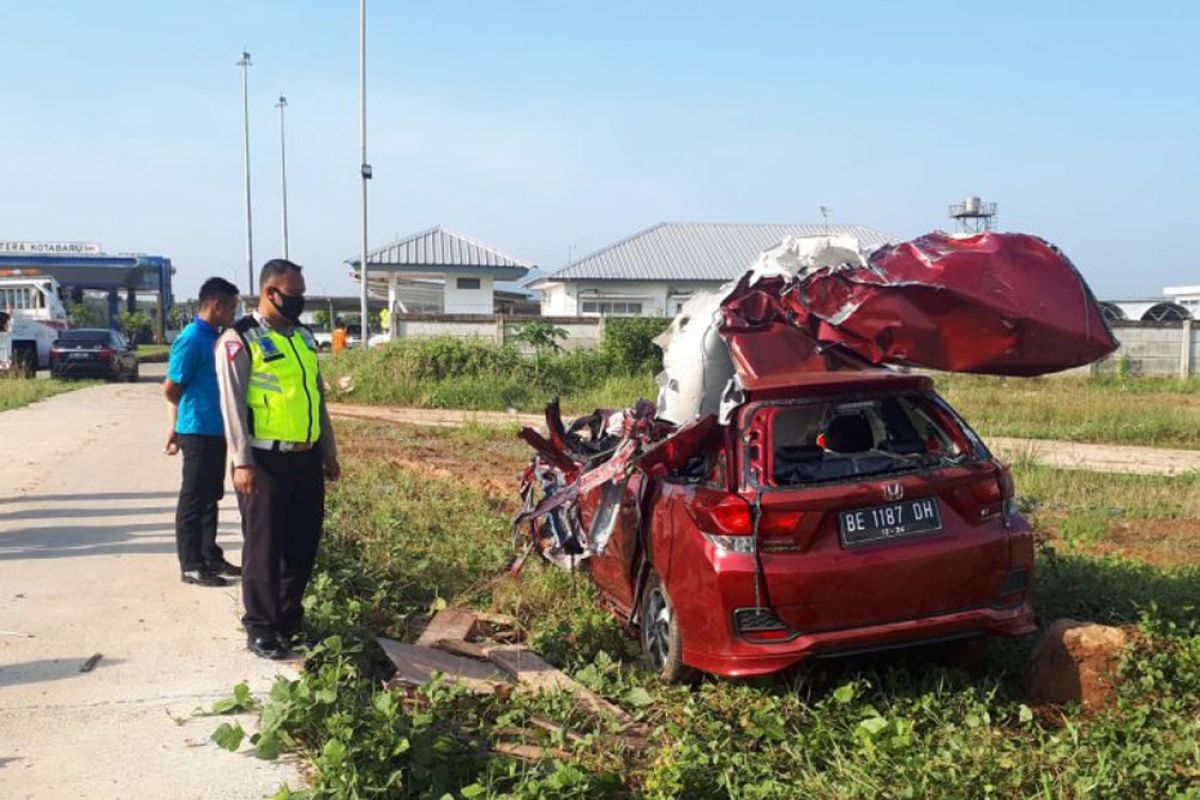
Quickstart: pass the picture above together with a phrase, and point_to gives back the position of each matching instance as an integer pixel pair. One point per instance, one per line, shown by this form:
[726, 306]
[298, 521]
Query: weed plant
[16, 392]
[402, 543]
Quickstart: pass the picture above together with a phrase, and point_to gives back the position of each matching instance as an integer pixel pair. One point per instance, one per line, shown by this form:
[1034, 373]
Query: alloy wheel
[657, 628]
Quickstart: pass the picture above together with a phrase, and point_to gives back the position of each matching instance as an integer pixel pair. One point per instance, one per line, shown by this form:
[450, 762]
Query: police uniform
[276, 421]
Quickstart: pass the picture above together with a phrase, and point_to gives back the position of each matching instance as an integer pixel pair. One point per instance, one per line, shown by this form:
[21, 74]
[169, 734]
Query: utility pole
[281, 105]
[244, 63]
[364, 167]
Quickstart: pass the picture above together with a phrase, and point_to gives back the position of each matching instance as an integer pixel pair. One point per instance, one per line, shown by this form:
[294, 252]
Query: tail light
[107, 353]
[996, 496]
[727, 520]
[55, 354]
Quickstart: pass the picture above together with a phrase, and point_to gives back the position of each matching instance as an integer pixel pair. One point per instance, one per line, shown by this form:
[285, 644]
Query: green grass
[17, 392]
[403, 539]
[1140, 411]
[479, 375]
[153, 352]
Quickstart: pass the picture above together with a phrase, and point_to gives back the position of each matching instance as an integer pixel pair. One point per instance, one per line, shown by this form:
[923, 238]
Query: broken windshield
[840, 440]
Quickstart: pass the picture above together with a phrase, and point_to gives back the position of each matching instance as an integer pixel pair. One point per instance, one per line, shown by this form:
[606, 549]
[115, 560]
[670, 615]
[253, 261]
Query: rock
[1076, 662]
[346, 383]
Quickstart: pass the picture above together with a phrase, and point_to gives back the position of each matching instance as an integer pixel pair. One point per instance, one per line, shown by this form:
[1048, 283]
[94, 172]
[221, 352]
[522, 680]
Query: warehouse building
[655, 271]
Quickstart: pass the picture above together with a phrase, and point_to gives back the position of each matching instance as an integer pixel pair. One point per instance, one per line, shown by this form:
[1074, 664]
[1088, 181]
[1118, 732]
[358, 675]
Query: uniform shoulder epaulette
[245, 324]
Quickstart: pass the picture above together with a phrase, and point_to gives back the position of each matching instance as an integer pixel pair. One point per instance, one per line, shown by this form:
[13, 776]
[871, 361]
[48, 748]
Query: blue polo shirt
[193, 366]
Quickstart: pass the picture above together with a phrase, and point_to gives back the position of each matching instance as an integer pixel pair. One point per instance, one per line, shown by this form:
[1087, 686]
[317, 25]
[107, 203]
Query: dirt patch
[1161, 542]
[491, 462]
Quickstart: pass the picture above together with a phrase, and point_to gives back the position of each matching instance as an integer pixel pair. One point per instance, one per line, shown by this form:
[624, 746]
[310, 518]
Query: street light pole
[244, 63]
[364, 167]
[281, 105]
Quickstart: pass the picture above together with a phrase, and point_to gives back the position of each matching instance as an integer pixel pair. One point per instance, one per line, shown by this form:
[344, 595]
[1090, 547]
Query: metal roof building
[464, 270]
[655, 270]
[1144, 311]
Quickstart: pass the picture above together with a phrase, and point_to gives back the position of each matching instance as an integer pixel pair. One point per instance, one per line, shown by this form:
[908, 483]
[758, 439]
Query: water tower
[973, 215]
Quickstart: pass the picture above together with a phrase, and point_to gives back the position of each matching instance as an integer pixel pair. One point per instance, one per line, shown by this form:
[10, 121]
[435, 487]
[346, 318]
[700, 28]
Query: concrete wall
[581, 331]
[1153, 348]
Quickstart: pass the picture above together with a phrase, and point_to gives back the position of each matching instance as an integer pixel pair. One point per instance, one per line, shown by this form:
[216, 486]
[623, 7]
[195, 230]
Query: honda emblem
[893, 491]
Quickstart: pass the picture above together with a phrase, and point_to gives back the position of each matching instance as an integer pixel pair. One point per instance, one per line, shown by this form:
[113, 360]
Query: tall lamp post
[244, 63]
[364, 167]
[281, 105]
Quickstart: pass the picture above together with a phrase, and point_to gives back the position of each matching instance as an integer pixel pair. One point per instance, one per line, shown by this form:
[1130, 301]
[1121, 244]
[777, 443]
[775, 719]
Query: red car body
[815, 595]
[790, 497]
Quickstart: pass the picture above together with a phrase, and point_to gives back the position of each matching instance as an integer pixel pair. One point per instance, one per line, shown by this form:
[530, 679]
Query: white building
[1186, 296]
[439, 271]
[655, 271]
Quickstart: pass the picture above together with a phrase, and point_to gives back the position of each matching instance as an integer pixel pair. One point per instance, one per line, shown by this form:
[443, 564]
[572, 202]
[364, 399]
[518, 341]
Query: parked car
[93, 353]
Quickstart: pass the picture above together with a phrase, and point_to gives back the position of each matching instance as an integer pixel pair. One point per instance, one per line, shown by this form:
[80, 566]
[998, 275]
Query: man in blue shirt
[198, 429]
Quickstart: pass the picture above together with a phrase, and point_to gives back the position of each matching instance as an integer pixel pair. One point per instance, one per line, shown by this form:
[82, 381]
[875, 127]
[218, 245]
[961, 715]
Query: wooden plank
[416, 665]
[499, 620]
[449, 623]
[529, 752]
[460, 648]
[532, 671]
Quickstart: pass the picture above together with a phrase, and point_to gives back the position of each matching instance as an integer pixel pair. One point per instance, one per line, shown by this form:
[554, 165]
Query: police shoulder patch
[232, 348]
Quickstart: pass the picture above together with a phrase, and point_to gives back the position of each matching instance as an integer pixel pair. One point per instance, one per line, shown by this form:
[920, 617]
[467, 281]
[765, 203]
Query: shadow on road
[72, 541]
[90, 498]
[49, 669]
[69, 513]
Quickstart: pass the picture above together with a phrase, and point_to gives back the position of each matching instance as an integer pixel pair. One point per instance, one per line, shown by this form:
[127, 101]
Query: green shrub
[629, 343]
[476, 374]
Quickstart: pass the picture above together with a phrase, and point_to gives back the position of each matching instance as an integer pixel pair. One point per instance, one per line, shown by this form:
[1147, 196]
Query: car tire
[134, 374]
[662, 642]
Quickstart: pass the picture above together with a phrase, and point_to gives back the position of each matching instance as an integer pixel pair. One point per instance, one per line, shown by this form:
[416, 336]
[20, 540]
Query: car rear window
[838, 440]
[84, 337]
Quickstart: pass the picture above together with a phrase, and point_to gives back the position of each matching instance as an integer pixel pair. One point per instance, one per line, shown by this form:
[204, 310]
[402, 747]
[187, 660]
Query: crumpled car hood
[992, 303]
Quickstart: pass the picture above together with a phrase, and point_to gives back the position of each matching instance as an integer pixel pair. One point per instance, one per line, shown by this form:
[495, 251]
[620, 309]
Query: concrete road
[87, 565]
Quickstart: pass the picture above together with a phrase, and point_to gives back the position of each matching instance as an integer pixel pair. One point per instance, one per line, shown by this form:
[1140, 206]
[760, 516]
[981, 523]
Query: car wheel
[662, 643]
[133, 374]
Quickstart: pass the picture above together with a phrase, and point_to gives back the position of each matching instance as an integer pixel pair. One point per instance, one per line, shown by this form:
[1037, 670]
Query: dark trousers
[202, 489]
[281, 527]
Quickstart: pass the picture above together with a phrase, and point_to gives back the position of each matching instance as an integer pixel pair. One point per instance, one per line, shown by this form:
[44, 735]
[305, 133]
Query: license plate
[79, 356]
[889, 522]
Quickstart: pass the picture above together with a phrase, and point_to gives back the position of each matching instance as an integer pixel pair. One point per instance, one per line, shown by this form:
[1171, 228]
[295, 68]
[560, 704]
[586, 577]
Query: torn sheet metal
[992, 303]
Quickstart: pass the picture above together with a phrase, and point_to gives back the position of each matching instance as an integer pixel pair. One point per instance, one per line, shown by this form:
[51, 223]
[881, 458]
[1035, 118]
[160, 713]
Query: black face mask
[289, 305]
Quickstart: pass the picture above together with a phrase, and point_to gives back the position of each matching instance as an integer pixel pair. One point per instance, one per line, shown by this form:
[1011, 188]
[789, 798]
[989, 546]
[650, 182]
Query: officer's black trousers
[281, 527]
[202, 489]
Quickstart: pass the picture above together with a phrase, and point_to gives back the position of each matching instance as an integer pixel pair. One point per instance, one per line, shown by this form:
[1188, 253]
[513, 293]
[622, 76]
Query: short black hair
[276, 267]
[215, 289]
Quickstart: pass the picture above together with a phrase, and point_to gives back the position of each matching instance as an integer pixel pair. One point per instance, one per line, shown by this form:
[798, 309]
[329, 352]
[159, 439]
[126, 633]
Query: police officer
[282, 449]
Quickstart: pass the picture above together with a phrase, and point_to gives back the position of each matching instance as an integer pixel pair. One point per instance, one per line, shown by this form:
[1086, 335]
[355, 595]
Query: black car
[93, 353]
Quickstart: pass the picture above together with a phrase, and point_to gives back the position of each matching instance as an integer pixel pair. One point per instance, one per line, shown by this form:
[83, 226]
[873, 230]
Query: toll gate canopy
[128, 274]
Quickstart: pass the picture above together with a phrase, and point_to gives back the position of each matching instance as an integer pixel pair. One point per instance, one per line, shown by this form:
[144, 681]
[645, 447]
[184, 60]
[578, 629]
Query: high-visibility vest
[284, 396]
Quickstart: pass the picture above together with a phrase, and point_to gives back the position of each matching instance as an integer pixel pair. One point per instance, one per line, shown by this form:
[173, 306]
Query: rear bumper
[744, 659]
[85, 369]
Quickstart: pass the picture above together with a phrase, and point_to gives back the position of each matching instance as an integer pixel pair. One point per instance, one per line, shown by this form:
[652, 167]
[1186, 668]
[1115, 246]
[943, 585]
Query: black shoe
[202, 577]
[223, 567]
[269, 647]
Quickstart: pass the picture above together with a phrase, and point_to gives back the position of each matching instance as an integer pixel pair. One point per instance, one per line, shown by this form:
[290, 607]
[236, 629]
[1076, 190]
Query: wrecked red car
[791, 495]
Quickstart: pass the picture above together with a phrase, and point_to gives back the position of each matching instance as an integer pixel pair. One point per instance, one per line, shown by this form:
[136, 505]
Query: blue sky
[542, 127]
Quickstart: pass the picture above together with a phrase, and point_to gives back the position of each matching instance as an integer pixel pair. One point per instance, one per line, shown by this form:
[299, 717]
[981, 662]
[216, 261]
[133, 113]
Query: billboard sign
[22, 248]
